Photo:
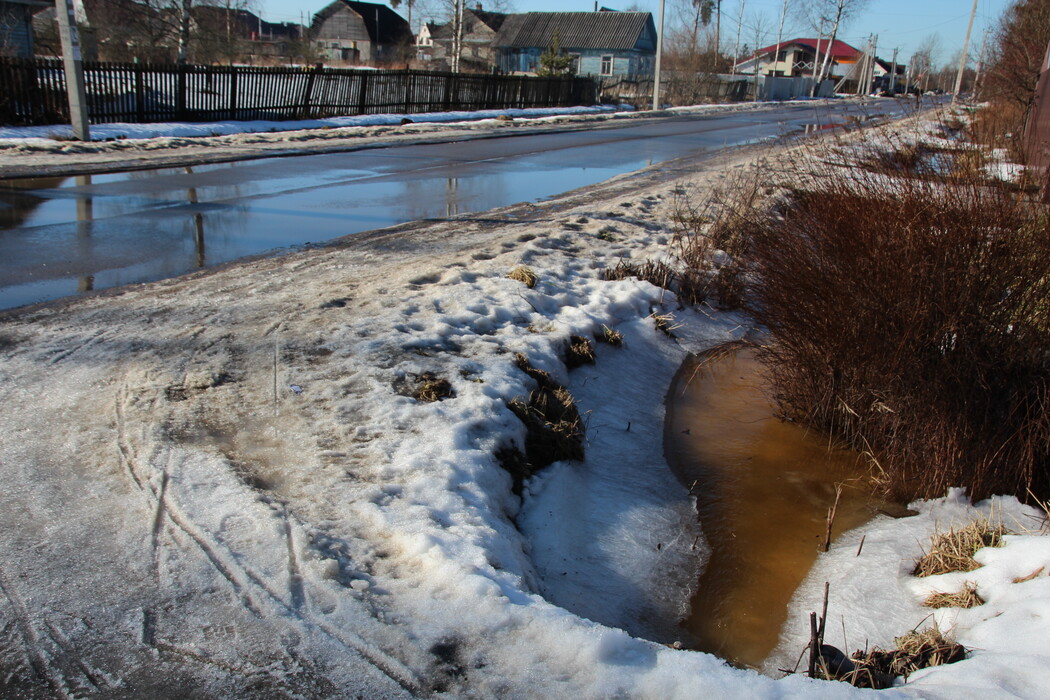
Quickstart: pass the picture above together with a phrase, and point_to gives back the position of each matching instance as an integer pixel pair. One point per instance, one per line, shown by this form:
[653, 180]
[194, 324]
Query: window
[574, 64]
[607, 65]
[782, 56]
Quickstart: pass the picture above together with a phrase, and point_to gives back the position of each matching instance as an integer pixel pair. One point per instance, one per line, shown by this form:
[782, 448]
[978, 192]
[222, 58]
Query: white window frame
[603, 70]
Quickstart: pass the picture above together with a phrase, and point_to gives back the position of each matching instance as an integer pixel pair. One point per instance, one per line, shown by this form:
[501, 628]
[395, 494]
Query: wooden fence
[34, 92]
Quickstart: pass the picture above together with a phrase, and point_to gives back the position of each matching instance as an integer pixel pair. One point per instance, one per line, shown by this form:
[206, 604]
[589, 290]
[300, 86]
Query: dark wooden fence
[33, 91]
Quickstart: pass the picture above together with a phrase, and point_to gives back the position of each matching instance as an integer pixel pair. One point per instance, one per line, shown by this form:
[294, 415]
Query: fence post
[362, 102]
[180, 92]
[448, 92]
[140, 95]
[233, 92]
[304, 108]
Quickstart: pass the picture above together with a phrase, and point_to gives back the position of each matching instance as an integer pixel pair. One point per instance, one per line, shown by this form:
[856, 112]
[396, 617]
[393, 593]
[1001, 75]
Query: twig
[823, 614]
[831, 517]
[861, 545]
[812, 644]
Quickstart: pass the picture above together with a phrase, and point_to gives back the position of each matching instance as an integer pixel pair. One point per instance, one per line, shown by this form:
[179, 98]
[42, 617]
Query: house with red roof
[802, 58]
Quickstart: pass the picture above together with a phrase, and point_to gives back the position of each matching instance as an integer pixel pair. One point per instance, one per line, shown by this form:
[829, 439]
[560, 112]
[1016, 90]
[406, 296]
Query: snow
[104, 132]
[222, 482]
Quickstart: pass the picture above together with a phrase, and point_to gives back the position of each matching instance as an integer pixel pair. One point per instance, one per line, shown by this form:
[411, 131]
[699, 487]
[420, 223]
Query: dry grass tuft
[653, 271]
[523, 274]
[916, 650]
[966, 598]
[953, 550]
[579, 351]
[554, 429]
[433, 388]
[609, 336]
[665, 323]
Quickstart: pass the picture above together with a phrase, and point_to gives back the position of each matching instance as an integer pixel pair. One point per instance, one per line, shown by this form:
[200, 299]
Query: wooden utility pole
[659, 56]
[73, 62]
[962, 59]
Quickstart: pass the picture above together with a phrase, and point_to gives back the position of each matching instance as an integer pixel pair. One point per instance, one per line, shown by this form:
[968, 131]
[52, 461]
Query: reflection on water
[58, 233]
[763, 489]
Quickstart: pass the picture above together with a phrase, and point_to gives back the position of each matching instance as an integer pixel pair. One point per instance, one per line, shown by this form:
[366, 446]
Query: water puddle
[763, 488]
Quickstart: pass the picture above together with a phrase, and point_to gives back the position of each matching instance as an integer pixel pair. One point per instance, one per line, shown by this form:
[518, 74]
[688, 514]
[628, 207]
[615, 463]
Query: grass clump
[913, 651]
[523, 274]
[665, 323]
[433, 388]
[554, 429]
[953, 550]
[966, 598]
[654, 272]
[609, 336]
[579, 351]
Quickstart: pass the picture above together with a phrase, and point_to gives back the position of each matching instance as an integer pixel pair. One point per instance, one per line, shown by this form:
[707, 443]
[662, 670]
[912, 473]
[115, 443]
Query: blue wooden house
[602, 44]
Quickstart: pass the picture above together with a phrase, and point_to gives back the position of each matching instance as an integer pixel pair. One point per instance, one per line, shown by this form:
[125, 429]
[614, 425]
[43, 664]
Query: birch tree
[836, 14]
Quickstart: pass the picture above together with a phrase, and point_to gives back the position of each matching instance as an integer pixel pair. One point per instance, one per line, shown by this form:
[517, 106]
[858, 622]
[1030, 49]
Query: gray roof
[576, 30]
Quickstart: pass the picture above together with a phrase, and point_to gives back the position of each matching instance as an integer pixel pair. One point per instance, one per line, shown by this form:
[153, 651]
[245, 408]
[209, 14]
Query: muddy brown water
[763, 488]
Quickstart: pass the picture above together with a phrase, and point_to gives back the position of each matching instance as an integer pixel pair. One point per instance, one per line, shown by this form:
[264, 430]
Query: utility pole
[73, 62]
[659, 56]
[962, 59]
[870, 73]
[893, 75]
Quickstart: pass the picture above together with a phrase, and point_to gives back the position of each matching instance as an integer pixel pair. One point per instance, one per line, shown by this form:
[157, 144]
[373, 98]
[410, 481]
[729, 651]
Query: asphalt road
[65, 236]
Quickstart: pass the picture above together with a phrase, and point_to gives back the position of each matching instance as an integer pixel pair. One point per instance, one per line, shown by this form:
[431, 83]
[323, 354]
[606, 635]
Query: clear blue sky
[899, 23]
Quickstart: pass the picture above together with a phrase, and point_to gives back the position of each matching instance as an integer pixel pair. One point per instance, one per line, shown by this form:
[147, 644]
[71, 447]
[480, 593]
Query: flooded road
[60, 237]
[763, 489]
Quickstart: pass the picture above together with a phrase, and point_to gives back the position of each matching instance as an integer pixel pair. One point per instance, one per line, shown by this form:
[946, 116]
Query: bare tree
[923, 61]
[833, 13]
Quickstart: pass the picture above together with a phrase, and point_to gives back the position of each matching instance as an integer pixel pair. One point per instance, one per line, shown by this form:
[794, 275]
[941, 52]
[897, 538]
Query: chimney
[478, 7]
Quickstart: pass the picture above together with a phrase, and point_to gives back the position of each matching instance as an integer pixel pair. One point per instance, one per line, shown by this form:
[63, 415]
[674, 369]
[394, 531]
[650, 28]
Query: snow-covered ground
[221, 485]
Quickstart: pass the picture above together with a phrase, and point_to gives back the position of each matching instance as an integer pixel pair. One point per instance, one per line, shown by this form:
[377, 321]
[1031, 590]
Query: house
[361, 32]
[477, 55]
[601, 43]
[16, 26]
[802, 58]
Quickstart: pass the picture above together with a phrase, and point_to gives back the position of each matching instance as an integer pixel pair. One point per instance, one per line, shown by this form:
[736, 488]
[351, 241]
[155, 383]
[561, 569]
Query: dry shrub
[523, 274]
[966, 598]
[1001, 125]
[554, 429]
[579, 351]
[911, 317]
[433, 388]
[721, 222]
[953, 550]
[916, 650]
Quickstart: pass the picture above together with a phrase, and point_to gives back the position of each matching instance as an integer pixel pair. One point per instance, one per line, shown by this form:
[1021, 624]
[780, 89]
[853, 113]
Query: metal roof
[576, 30]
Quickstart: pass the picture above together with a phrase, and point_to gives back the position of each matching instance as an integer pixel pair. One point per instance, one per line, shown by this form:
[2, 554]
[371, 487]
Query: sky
[901, 24]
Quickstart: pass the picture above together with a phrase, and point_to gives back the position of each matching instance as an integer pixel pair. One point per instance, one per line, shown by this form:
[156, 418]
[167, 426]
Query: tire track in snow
[39, 660]
[242, 578]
